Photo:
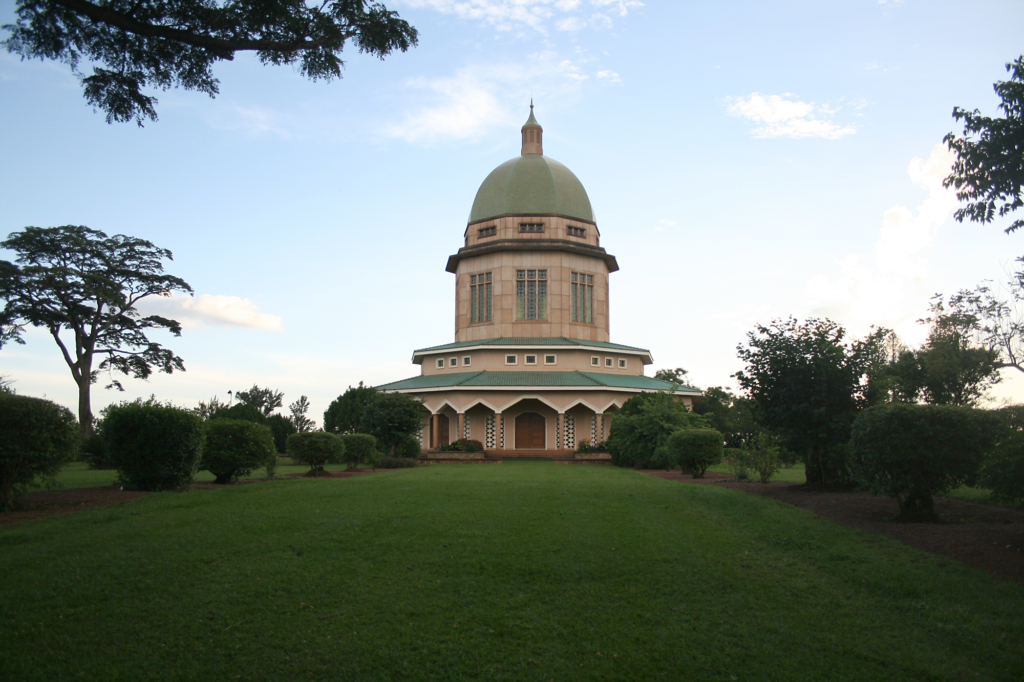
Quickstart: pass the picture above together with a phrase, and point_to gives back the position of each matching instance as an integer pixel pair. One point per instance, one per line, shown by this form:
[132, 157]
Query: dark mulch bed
[983, 536]
[53, 502]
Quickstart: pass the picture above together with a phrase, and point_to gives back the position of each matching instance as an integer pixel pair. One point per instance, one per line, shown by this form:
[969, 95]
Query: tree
[76, 279]
[999, 322]
[677, 376]
[954, 368]
[808, 383]
[391, 418]
[345, 413]
[206, 410]
[299, 409]
[266, 400]
[158, 44]
[989, 168]
[731, 415]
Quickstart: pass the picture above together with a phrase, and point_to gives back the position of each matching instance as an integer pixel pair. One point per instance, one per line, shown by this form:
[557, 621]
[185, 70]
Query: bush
[316, 449]
[644, 423]
[738, 462]
[1003, 469]
[242, 411]
[391, 418]
[663, 459]
[281, 427]
[153, 446]
[39, 436]
[397, 462]
[360, 448]
[763, 454]
[93, 451]
[408, 448]
[694, 450]
[235, 448]
[911, 452]
[462, 445]
[271, 465]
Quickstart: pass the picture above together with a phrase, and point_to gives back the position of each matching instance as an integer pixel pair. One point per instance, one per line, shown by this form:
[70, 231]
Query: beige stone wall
[503, 266]
[555, 227]
[567, 359]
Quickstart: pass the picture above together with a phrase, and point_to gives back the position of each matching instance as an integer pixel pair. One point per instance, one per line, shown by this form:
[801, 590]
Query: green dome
[532, 185]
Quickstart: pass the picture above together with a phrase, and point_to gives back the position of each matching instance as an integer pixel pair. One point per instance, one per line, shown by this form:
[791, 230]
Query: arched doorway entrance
[441, 437]
[530, 428]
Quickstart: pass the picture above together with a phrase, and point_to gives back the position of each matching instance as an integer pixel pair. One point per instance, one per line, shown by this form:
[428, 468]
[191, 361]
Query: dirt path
[983, 536]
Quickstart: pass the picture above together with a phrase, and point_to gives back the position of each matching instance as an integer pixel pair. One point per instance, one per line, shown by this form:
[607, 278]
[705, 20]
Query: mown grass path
[512, 572]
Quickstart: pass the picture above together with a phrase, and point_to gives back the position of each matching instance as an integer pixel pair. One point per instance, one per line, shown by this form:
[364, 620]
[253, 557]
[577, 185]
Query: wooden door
[530, 431]
[442, 429]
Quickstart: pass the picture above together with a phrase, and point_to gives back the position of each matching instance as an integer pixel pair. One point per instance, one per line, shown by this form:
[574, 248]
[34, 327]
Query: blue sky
[746, 160]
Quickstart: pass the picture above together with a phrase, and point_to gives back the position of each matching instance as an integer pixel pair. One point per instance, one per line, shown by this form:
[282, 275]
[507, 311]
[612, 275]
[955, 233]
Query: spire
[533, 135]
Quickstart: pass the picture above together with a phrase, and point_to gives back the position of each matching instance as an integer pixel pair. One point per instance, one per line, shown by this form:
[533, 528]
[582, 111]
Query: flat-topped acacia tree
[78, 280]
[144, 44]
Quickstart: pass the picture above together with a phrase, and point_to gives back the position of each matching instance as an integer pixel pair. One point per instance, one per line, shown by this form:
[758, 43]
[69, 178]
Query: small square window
[622, 364]
[467, 360]
[549, 359]
[454, 362]
[440, 363]
[511, 359]
[595, 361]
[608, 362]
[530, 359]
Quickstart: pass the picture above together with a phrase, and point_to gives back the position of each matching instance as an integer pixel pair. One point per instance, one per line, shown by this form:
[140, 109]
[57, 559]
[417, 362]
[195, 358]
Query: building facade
[532, 370]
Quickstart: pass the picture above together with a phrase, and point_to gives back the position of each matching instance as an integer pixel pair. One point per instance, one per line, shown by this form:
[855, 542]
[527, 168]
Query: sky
[745, 160]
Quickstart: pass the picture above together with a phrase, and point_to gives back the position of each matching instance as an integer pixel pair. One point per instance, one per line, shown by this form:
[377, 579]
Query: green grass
[79, 475]
[518, 571]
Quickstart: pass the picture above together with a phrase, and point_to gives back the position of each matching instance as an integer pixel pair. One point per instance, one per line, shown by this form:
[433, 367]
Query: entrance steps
[564, 456]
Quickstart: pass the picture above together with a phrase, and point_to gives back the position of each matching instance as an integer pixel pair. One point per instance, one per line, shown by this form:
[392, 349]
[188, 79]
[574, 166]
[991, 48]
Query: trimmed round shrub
[359, 449]
[694, 450]
[153, 446]
[316, 449]
[408, 448]
[38, 437]
[235, 448]
[911, 452]
[282, 427]
[1002, 471]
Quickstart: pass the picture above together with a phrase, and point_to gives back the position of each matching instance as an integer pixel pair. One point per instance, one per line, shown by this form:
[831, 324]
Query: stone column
[435, 428]
[560, 432]
[460, 422]
[499, 430]
[599, 431]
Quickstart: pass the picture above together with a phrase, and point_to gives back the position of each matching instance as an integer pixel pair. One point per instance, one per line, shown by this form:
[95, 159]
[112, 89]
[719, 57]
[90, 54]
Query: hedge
[235, 448]
[153, 446]
[37, 437]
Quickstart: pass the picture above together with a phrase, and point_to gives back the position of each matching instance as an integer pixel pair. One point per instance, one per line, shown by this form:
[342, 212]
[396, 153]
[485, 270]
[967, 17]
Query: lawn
[516, 571]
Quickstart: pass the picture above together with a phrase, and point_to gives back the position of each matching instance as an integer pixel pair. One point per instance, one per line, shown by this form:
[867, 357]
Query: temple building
[532, 370]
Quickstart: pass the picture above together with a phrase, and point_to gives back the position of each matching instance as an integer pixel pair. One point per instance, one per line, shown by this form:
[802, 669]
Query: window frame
[526, 359]
[439, 363]
[481, 297]
[609, 362]
[622, 363]
[515, 359]
[467, 360]
[453, 362]
[531, 228]
[595, 361]
[531, 294]
[554, 359]
[487, 232]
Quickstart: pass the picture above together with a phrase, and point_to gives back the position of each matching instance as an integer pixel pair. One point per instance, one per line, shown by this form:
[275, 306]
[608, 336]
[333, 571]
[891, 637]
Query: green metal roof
[488, 379]
[531, 341]
[531, 185]
[531, 121]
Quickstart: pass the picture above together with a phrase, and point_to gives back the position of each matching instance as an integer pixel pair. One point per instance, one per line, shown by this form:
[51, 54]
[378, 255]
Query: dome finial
[533, 135]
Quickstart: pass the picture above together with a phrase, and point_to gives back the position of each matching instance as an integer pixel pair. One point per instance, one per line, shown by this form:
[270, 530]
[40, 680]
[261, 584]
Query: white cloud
[466, 105]
[892, 291]
[207, 309]
[255, 121]
[507, 14]
[777, 116]
[663, 223]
